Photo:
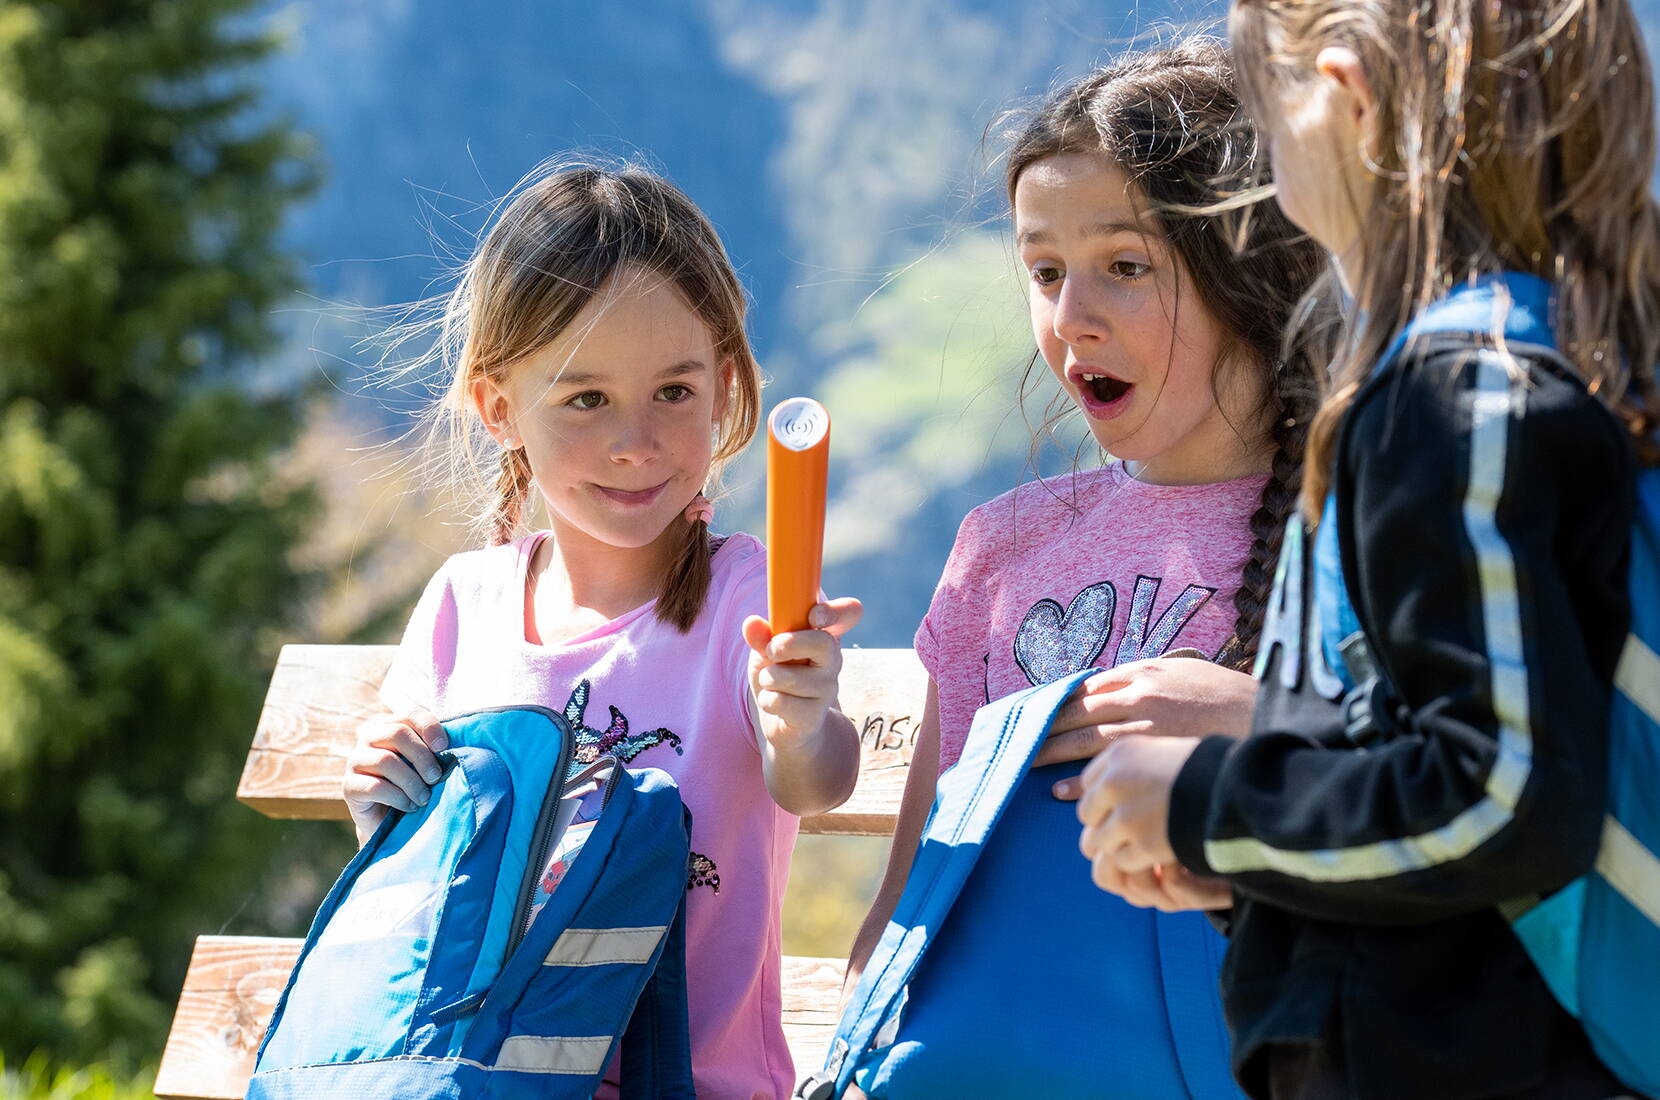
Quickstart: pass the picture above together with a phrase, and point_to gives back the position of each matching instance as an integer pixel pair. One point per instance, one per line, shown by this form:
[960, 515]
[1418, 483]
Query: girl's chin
[634, 533]
[1115, 444]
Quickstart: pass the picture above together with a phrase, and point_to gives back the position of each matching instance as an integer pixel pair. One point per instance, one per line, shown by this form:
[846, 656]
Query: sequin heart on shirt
[1052, 643]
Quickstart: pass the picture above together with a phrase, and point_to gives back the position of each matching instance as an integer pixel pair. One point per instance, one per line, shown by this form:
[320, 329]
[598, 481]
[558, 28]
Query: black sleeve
[1484, 517]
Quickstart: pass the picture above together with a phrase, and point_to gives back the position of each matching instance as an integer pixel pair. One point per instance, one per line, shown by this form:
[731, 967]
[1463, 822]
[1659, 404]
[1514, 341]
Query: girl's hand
[809, 750]
[793, 675]
[1125, 811]
[1165, 696]
[1172, 888]
[392, 765]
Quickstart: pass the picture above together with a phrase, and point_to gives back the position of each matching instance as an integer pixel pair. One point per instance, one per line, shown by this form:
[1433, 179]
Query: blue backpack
[1006, 972]
[1596, 941]
[497, 941]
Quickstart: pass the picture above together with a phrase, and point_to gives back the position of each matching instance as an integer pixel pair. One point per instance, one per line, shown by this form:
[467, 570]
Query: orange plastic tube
[798, 469]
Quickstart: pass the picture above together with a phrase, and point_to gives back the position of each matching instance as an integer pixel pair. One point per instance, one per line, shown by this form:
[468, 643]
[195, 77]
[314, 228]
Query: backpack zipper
[550, 802]
[542, 844]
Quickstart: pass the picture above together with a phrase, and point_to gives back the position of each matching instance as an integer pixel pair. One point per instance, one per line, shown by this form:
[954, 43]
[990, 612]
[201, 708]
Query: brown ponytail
[681, 596]
[511, 491]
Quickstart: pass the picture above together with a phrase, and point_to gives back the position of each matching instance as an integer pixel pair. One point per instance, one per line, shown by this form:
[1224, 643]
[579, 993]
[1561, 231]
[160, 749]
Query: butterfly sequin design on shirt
[614, 740]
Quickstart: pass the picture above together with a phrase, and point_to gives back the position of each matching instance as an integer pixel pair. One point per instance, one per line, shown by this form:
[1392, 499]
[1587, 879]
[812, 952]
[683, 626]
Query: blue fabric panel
[368, 1080]
[1333, 611]
[643, 884]
[1620, 970]
[1636, 741]
[370, 958]
[656, 1048]
[404, 968]
[1516, 303]
[428, 1079]
[969, 799]
[1551, 933]
[1190, 966]
[1621, 1007]
[1009, 972]
[1028, 934]
[522, 738]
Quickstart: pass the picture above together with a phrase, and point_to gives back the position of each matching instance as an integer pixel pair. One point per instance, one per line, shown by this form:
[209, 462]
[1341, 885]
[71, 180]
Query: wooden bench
[319, 694]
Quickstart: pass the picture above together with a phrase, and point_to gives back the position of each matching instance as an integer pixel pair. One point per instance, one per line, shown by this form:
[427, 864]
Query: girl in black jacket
[1430, 738]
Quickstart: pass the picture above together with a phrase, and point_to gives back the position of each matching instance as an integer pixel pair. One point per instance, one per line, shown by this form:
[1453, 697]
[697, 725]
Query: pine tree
[145, 530]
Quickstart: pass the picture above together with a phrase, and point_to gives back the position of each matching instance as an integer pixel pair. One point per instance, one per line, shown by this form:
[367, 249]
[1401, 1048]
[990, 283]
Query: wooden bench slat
[234, 981]
[229, 994]
[320, 693]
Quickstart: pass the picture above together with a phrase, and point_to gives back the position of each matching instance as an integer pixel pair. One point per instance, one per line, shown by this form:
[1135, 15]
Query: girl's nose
[1077, 319]
[635, 442]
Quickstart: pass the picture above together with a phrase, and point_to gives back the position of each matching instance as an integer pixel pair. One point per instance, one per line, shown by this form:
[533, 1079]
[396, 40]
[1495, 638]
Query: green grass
[38, 1078]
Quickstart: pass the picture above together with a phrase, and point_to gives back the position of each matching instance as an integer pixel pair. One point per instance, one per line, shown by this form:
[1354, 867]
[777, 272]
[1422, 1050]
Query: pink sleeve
[957, 598]
[426, 656]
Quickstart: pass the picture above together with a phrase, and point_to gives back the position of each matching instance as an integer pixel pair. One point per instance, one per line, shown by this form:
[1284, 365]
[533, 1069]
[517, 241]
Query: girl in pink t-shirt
[1163, 327]
[597, 350]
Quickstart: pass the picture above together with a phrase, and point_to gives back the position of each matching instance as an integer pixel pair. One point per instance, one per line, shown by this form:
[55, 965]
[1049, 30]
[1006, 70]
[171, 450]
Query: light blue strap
[1513, 302]
[1001, 743]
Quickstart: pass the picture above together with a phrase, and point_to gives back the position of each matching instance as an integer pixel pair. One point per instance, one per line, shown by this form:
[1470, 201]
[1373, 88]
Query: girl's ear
[494, 409]
[1359, 104]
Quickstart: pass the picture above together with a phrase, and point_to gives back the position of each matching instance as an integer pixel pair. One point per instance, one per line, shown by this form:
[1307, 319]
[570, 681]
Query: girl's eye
[587, 399]
[1129, 269]
[1046, 275]
[675, 392]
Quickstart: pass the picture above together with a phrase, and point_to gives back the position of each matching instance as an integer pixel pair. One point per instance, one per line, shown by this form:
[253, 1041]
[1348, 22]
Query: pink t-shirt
[1094, 568]
[640, 690]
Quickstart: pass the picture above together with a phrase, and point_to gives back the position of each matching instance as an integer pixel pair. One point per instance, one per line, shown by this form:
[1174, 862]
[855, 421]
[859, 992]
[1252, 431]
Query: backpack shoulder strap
[1005, 736]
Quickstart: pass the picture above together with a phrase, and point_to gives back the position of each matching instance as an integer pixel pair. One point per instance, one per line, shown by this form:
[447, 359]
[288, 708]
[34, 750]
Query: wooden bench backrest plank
[320, 693]
[234, 982]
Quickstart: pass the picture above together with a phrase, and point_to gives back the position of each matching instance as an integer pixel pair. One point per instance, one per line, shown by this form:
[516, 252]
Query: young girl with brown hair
[596, 345]
[1163, 329]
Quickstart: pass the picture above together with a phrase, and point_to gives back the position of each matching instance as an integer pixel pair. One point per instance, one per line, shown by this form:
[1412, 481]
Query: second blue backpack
[1006, 972]
[1596, 941]
[474, 948]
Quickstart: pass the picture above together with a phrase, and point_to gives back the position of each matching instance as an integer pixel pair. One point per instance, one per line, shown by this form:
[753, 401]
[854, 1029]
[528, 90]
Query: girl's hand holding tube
[1125, 811]
[809, 750]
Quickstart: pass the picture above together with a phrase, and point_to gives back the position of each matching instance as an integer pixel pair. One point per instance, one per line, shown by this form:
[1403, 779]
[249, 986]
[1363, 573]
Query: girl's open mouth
[1101, 395]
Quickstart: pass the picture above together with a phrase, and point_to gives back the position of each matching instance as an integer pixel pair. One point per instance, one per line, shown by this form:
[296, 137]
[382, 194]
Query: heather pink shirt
[641, 690]
[1094, 568]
